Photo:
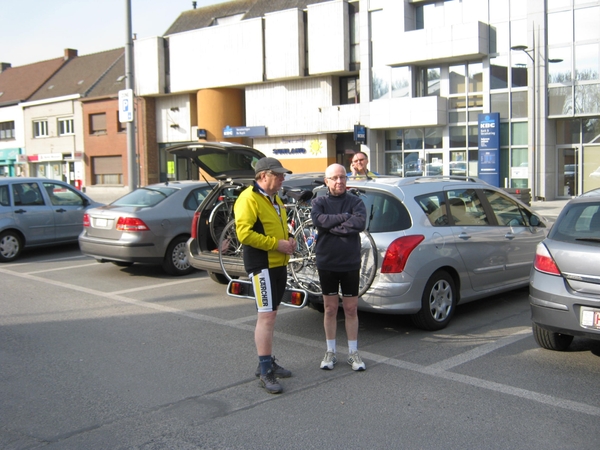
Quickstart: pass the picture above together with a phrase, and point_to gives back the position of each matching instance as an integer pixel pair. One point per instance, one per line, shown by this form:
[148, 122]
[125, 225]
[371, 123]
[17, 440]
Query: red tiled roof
[19, 83]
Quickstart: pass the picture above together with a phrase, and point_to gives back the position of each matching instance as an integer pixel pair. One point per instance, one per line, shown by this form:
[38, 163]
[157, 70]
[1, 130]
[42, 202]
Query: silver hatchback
[564, 290]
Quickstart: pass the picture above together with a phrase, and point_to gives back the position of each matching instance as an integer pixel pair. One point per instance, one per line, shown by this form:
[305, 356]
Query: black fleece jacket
[339, 221]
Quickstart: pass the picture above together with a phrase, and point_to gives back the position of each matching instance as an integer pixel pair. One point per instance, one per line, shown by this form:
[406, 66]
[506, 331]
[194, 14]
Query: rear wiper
[590, 239]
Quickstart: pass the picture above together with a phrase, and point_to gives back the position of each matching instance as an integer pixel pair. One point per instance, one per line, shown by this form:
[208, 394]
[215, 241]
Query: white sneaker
[328, 361]
[356, 362]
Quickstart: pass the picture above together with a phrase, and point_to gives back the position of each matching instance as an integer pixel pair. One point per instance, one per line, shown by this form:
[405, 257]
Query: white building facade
[416, 74]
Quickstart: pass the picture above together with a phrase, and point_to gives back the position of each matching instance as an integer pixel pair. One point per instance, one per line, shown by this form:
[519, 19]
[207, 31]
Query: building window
[107, 170]
[349, 90]
[98, 123]
[574, 43]
[354, 36]
[428, 82]
[121, 126]
[65, 127]
[40, 128]
[7, 130]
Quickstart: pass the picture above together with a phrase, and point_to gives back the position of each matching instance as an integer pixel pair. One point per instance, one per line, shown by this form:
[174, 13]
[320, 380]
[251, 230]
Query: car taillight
[86, 220]
[544, 262]
[398, 252]
[194, 230]
[131, 224]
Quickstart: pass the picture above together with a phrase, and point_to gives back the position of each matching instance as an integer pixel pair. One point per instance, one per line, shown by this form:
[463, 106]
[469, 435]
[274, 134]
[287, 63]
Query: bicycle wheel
[303, 264]
[368, 262]
[230, 252]
[220, 216]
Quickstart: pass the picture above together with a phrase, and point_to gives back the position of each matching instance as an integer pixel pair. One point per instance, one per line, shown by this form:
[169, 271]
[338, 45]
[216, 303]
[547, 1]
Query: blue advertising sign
[360, 134]
[231, 132]
[489, 148]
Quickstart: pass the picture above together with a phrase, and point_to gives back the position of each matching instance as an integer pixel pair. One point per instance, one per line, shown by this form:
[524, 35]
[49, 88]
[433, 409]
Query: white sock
[352, 346]
[331, 345]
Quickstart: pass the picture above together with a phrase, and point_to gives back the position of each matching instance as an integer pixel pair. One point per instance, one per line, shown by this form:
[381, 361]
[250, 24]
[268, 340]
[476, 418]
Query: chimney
[4, 66]
[70, 53]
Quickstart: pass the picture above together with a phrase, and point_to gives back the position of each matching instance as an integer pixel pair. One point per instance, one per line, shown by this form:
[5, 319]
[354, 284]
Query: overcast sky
[38, 30]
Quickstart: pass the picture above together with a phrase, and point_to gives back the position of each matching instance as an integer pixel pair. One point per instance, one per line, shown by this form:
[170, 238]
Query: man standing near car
[261, 227]
[358, 167]
[339, 217]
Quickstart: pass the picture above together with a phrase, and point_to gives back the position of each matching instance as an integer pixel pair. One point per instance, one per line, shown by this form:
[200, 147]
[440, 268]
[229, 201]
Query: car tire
[218, 278]
[438, 302]
[551, 340]
[10, 246]
[176, 262]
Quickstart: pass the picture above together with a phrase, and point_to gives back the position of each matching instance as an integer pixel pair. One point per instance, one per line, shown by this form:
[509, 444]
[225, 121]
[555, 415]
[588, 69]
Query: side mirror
[534, 221]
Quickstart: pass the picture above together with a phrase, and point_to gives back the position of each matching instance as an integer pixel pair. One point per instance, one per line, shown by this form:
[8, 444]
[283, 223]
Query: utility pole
[132, 164]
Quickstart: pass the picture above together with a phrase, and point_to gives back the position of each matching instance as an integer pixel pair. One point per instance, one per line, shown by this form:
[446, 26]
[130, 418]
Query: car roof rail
[449, 178]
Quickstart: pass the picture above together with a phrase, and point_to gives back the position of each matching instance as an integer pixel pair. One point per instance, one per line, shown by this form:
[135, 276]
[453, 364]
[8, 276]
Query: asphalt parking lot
[95, 356]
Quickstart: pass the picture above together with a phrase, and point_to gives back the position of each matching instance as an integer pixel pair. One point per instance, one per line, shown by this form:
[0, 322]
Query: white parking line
[439, 369]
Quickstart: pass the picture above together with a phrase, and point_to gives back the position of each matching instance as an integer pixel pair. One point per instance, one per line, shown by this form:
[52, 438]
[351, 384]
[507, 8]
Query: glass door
[568, 172]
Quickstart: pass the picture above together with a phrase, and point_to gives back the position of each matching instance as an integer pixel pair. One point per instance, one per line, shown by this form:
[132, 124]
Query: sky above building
[38, 30]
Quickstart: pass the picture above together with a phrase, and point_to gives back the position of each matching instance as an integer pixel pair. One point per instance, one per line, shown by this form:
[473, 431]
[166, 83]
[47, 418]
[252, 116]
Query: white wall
[149, 66]
[225, 55]
[328, 43]
[52, 111]
[298, 106]
[284, 44]
[173, 110]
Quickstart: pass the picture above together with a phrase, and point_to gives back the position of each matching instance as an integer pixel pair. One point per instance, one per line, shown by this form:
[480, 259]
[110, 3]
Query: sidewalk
[550, 209]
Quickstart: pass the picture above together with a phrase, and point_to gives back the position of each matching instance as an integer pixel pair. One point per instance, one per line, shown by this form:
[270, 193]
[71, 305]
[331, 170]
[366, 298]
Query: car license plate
[590, 318]
[101, 223]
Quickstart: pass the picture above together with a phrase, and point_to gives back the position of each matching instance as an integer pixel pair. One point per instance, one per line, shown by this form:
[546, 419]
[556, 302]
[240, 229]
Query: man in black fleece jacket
[339, 217]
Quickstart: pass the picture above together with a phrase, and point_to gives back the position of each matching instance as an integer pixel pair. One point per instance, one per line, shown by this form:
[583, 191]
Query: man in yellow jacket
[261, 227]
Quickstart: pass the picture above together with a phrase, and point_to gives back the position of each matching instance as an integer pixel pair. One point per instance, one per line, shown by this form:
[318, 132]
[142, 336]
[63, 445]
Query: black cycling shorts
[269, 287]
[332, 281]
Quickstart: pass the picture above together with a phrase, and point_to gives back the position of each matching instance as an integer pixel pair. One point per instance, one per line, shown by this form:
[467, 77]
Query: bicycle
[222, 213]
[231, 250]
[302, 265]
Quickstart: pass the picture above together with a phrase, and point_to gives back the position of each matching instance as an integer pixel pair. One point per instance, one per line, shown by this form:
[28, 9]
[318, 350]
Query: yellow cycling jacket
[259, 228]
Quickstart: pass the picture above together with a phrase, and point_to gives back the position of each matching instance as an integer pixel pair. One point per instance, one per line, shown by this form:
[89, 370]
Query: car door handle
[20, 211]
[464, 236]
[61, 210]
[509, 236]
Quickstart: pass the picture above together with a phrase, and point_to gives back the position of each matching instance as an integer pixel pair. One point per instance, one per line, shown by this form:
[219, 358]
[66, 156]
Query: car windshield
[581, 222]
[145, 197]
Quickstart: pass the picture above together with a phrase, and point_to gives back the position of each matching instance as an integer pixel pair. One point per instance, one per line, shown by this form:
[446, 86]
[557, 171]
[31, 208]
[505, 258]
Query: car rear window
[145, 197]
[385, 212]
[580, 222]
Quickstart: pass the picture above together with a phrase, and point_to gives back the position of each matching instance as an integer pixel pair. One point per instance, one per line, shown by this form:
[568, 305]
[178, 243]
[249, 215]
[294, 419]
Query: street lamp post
[533, 154]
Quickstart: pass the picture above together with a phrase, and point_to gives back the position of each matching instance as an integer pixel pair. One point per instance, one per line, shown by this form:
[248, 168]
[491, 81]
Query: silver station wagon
[444, 241]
